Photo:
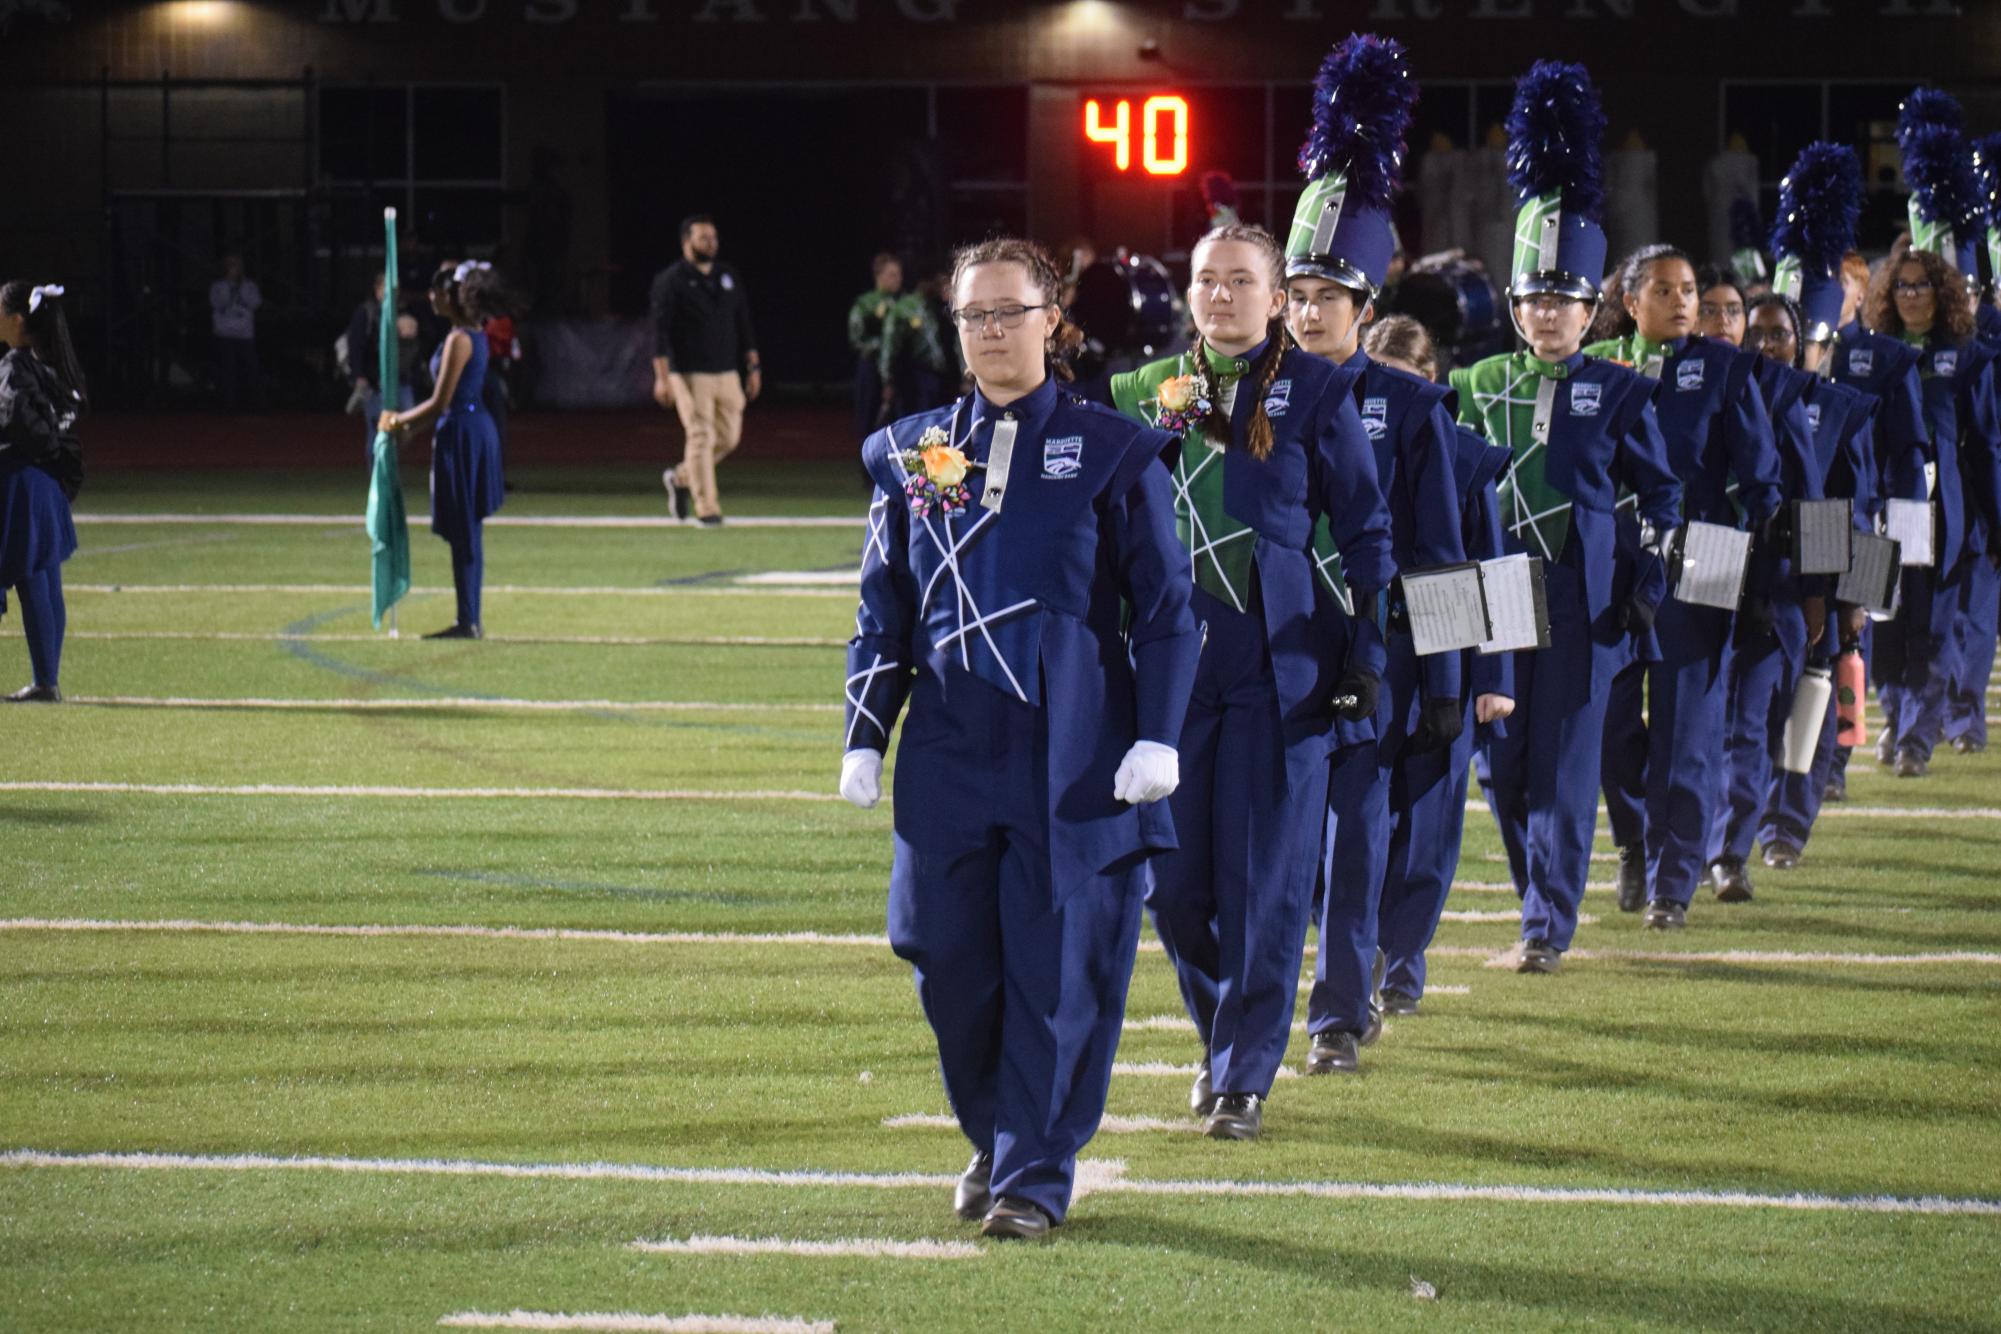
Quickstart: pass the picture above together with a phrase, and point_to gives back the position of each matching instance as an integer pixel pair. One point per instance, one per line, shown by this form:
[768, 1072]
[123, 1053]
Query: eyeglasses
[1912, 289]
[1008, 317]
[1710, 310]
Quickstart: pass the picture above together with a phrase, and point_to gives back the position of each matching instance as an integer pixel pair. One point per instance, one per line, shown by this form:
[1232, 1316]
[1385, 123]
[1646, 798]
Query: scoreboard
[1162, 130]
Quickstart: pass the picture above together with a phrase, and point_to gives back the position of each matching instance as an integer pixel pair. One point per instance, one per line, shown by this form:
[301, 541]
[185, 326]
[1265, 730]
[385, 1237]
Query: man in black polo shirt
[702, 343]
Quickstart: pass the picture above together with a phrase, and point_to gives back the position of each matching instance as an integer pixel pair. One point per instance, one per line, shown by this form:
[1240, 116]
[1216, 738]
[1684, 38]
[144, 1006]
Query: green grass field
[241, 1129]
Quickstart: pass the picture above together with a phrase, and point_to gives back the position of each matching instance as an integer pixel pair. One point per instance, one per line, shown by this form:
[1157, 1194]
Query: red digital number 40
[1163, 132]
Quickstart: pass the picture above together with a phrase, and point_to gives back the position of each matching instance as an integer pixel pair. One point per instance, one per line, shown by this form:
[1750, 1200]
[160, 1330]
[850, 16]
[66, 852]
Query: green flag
[388, 527]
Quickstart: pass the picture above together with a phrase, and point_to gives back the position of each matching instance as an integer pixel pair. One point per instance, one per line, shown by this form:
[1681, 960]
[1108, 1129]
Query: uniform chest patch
[1813, 416]
[1946, 362]
[1861, 361]
[1063, 459]
[1584, 399]
[1688, 376]
[1376, 417]
[1278, 398]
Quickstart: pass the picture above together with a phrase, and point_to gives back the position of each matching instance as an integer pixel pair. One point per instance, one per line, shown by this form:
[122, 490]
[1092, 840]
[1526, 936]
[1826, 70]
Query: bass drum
[1457, 305]
[1127, 306]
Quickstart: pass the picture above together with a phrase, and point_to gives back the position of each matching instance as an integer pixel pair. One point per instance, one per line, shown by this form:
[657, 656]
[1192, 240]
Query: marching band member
[1011, 537]
[1578, 428]
[1272, 443]
[1338, 253]
[42, 396]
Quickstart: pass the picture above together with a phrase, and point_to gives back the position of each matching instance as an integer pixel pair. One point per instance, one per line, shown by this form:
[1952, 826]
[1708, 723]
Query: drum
[1127, 305]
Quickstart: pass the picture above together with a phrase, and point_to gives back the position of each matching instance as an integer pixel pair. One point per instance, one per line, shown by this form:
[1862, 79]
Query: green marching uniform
[866, 318]
[915, 361]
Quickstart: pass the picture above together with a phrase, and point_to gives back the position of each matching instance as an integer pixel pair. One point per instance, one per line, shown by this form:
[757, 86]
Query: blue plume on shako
[1363, 98]
[1938, 165]
[1746, 232]
[1926, 106]
[1820, 201]
[1554, 129]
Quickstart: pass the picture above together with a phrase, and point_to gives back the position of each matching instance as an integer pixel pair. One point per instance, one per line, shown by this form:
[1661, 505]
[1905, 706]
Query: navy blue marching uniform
[1917, 650]
[1428, 795]
[1419, 710]
[1765, 662]
[41, 469]
[1232, 903]
[1016, 886]
[1715, 423]
[1577, 430]
[466, 481]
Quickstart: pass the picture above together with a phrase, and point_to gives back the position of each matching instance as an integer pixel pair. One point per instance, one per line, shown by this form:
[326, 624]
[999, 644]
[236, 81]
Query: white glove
[1149, 772]
[861, 777]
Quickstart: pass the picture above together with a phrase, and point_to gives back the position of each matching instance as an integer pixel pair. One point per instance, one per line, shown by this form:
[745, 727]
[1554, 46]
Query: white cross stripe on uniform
[1507, 400]
[877, 541]
[858, 698]
[950, 548]
[1343, 595]
[1204, 544]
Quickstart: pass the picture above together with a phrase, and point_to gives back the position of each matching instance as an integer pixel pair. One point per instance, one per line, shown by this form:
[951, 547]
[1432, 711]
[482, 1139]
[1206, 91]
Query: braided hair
[1278, 339]
[1066, 338]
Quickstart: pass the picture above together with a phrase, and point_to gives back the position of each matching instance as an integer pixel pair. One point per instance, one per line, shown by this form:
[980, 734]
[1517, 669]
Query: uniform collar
[1358, 363]
[1031, 409]
[1917, 340]
[1228, 369]
[1553, 370]
[1646, 349]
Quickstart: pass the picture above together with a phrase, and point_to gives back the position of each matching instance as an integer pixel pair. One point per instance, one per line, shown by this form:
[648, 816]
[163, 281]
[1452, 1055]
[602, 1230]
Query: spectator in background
[702, 343]
[867, 319]
[916, 363]
[364, 364]
[233, 300]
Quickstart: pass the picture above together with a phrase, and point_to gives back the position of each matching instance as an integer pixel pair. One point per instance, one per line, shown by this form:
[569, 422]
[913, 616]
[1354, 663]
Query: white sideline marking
[1105, 1176]
[525, 590]
[455, 793]
[1838, 810]
[862, 1247]
[497, 521]
[1110, 1125]
[1507, 886]
[615, 641]
[450, 702]
[472, 932]
[1144, 1069]
[1739, 956]
[1448, 991]
[1511, 915]
[630, 1320]
[882, 942]
[803, 578]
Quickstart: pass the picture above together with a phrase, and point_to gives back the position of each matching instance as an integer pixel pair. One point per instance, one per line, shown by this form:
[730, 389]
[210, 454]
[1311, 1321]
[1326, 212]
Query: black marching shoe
[1399, 1003]
[1966, 745]
[1632, 877]
[1836, 790]
[36, 695]
[1201, 1097]
[970, 1198]
[1014, 1219]
[1334, 1051]
[1782, 856]
[1373, 1029]
[710, 521]
[1910, 764]
[1665, 915]
[455, 632]
[1732, 881]
[1534, 956]
[1237, 1116]
[677, 496]
[1886, 749]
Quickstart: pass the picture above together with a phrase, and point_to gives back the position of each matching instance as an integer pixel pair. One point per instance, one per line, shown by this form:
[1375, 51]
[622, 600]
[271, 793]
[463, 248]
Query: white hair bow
[35, 297]
[468, 266]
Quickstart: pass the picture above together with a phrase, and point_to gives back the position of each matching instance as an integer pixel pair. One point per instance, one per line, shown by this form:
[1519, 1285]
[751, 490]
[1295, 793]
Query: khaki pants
[711, 408]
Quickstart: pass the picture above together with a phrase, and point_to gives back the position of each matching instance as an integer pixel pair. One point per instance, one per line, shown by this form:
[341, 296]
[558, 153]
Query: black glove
[1439, 723]
[1637, 616]
[1363, 687]
[1754, 619]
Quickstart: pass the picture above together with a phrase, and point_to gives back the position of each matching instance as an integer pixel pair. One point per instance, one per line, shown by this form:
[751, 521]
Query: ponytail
[41, 310]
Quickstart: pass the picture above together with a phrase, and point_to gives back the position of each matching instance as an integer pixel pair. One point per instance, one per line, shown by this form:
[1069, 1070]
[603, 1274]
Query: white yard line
[520, 590]
[455, 702]
[185, 925]
[1150, 1069]
[1110, 1125]
[442, 793]
[1107, 1182]
[497, 521]
[848, 1247]
[632, 1320]
[614, 641]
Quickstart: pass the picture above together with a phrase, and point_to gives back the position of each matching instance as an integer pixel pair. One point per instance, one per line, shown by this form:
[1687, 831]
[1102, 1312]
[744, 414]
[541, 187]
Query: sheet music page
[1871, 579]
[1712, 565]
[1822, 530]
[1447, 608]
[1517, 607]
[1908, 523]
